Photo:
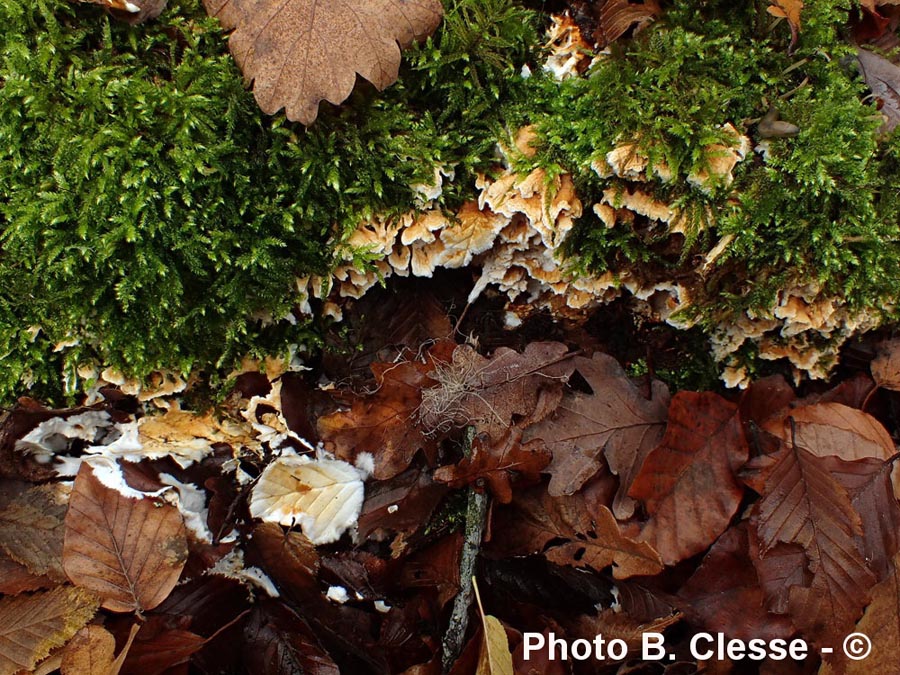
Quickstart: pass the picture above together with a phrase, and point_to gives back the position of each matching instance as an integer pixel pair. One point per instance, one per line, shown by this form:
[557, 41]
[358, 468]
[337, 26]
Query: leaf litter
[321, 525]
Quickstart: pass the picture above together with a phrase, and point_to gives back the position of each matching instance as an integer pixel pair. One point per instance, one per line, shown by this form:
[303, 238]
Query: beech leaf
[804, 505]
[885, 366]
[790, 10]
[300, 52]
[498, 464]
[322, 496]
[32, 528]
[32, 625]
[278, 642]
[615, 421]
[93, 652]
[688, 484]
[130, 552]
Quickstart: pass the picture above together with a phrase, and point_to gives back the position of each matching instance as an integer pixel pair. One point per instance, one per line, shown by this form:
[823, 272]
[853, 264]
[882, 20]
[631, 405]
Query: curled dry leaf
[494, 657]
[616, 17]
[32, 528]
[498, 464]
[130, 552]
[299, 52]
[32, 625]
[687, 484]
[615, 421]
[322, 496]
[279, 642]
[790, 10]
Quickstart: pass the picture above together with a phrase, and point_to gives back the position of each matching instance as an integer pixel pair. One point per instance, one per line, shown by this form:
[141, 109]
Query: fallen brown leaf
[687, 484]
[563, 530]
[290, 558]
[493, 393]
[279, 642]
[494, 657]
[403, 504]
[724, 594]
[15, 578]
[32, 528]
[614, 422]
[93, 652]
[498, 464]
[300, 52]
[383, 424]
[616, 17]
[32, 625]
[790, 10]
[834, 429]
[803, 504]
[128, 551]
[886, 365]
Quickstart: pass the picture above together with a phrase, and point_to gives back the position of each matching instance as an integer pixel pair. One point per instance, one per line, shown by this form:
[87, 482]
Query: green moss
[150, 211]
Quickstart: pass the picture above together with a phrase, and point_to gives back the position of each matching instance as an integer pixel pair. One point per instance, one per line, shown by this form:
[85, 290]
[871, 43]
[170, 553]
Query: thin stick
[476, 515]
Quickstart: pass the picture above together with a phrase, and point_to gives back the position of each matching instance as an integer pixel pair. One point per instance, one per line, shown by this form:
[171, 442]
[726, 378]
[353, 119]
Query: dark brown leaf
[886, 365]
[724, 594]
[159, 647]
[615, 421]
[15, 578]
[617, 17]
[302, 52]
[688, 484]
[383, 424]
[403, 504]
[130, 552]
[278, 642]
[290, 559]
[498, 464]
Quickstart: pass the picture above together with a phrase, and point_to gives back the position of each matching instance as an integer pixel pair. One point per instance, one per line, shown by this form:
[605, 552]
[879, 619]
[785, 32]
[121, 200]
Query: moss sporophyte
[151, 214]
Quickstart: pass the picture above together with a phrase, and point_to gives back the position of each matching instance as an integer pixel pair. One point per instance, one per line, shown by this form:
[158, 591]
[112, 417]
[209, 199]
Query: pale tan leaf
[128, 551]
[32, 527]
[300, 52]
[790, 10]
[495, 657]
[32, 625]
[834, 429]
[322, 496]
[92, 652]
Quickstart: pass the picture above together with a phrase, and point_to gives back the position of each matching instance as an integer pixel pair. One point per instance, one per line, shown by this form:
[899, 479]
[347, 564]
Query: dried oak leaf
[299, 52]
[687, 484]
[32, 625]
[32, 527]
[278, 642]
[322, 496]
[886, 365]
[130, 552]
[566, 533]
[498, 464]
[724, 594]
[383, 424]
[883, 78]
[493, 393]
[804, 505]
[615, 421]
